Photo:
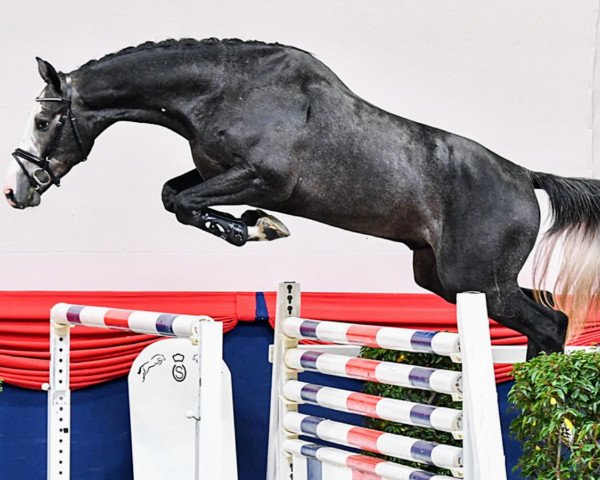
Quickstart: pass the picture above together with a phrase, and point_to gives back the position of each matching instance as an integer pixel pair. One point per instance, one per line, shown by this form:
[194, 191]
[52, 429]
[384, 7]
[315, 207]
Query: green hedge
[558, 397]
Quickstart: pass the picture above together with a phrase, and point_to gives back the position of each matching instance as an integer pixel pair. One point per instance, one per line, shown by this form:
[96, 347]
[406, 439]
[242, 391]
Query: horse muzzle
[32, 198]
[27, 178]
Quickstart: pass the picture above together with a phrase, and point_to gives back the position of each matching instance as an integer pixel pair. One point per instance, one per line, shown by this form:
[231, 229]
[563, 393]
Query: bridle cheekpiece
[44, 175]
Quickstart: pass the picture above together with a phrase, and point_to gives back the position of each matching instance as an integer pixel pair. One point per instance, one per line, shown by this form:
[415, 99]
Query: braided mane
[185, 43]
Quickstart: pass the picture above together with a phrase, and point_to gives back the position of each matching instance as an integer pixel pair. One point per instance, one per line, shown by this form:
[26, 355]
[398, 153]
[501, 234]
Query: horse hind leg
[514, 308]
[490, 263]
[545, 328]
[426, 272]
[509, 305]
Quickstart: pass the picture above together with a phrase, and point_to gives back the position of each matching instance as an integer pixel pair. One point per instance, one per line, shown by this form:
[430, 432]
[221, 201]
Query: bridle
[44, 174]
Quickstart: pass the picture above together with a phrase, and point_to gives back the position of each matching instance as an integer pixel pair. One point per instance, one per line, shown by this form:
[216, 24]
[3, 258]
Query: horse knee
[168, 195]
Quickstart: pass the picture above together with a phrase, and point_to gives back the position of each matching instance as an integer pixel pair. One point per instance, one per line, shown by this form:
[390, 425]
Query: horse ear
[48, 73]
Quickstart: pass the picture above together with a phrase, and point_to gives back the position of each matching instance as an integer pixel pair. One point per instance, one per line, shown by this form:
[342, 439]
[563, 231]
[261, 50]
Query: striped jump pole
[398, 374]
[400, 339]
[149, 323]
[477, 423]
[328, 462]
[200, 330]
[374, 441]
[393, 410]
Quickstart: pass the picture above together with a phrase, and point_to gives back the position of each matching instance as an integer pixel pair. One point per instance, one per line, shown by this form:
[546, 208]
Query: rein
[44, 174]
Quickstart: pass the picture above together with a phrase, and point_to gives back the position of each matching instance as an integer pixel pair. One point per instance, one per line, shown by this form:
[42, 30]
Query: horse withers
[272, 127]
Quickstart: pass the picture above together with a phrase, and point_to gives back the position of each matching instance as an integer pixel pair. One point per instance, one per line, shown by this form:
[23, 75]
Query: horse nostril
[10, 196]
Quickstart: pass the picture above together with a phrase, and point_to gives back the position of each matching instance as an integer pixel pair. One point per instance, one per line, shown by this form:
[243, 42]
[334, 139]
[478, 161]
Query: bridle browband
[43, 162]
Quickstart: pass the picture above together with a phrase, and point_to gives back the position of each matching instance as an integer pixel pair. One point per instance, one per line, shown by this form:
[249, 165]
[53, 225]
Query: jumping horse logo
[157, 359]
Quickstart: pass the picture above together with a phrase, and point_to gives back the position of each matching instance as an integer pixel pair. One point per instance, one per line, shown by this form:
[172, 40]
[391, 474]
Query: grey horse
[272, 127]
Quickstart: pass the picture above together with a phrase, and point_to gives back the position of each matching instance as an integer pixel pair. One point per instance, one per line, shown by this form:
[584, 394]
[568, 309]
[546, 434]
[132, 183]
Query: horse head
[52, 144]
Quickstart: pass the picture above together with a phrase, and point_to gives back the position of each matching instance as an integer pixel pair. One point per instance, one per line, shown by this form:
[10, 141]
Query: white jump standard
[482, 456]
[202, 331]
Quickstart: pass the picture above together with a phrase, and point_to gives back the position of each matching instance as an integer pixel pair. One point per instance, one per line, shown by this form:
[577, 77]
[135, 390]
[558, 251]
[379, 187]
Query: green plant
[412, 395]
[559, 425]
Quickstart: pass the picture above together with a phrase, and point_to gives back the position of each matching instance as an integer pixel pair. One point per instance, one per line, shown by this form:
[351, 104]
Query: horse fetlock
[551, 339]
[264, 227]
[232, 231]
[548, 346]
[562, 326]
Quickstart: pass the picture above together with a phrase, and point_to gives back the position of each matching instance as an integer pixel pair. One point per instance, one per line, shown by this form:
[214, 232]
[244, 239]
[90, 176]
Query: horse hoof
[267, 227]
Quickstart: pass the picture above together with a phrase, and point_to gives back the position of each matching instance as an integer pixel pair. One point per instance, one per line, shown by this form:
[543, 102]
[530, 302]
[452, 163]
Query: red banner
[100, 355]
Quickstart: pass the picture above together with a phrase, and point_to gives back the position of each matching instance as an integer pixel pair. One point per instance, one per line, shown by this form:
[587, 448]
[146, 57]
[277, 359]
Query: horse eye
[42, 124]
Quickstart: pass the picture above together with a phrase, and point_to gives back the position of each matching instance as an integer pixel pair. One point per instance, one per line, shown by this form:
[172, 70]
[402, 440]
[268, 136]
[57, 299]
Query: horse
[272, 127]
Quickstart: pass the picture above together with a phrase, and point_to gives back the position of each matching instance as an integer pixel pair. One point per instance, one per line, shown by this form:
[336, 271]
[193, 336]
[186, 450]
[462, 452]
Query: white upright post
[482, 441]
[209, 430]
[59, 405]
[279, 464]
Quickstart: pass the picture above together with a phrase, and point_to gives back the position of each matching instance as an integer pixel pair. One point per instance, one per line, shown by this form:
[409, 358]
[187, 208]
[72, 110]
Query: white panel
[215, 442]
[159, 404]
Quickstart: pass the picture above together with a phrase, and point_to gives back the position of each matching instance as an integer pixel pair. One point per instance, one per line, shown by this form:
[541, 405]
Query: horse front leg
[254, 225]
[177, 185]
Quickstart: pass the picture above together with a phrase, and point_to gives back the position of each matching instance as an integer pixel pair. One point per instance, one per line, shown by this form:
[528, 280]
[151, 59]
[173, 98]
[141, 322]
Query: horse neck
[161, 89]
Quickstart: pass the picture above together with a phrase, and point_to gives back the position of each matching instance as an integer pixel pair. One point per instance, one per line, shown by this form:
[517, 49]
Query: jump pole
[201, 330]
